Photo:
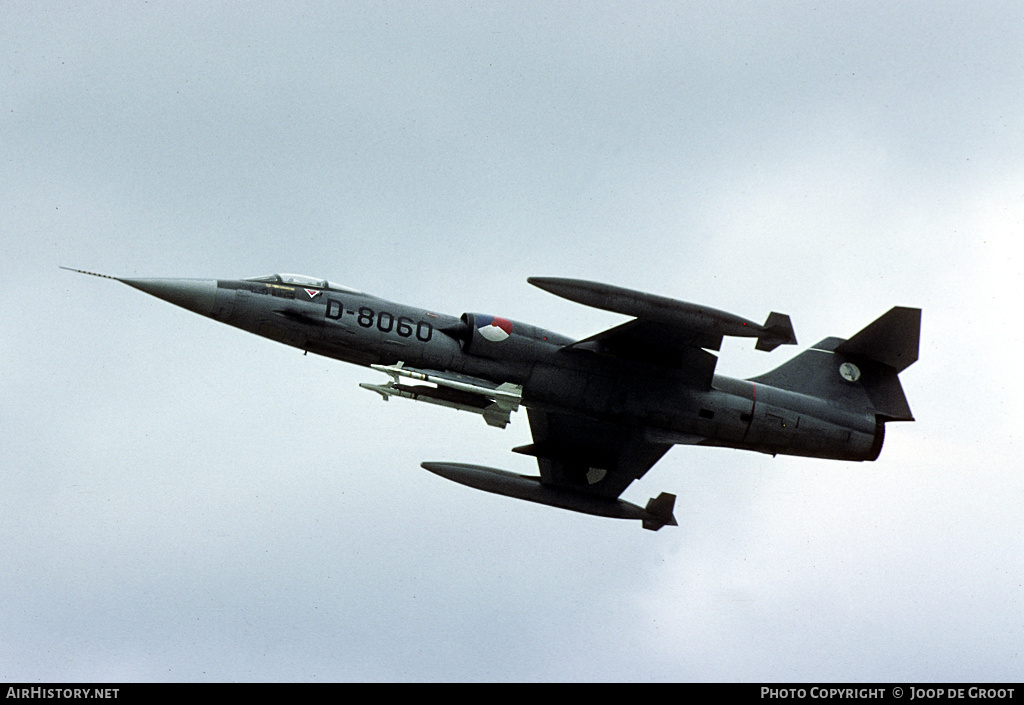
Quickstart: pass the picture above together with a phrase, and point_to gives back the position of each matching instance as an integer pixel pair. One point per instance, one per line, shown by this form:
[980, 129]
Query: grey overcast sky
[183, 501]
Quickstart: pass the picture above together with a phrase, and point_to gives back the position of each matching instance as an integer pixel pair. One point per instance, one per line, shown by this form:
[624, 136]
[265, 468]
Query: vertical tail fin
[861, 371]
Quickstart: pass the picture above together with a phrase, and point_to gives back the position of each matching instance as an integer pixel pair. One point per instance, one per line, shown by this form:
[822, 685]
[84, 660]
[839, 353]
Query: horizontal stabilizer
[892, 339]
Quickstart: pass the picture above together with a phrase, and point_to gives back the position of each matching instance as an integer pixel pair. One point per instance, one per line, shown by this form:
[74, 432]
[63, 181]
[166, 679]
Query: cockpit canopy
[303, 281]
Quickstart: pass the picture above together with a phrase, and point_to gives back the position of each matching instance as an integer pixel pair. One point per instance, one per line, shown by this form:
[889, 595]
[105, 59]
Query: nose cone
[197, 295]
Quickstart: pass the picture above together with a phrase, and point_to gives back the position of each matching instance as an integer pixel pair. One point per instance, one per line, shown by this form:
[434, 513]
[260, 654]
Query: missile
[506, 395]
[493, 413]
[494, 404]
[656, 514]
[777, 329]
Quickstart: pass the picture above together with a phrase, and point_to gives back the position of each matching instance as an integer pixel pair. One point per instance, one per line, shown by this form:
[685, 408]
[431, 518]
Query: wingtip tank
[657, 514]
[777, 330]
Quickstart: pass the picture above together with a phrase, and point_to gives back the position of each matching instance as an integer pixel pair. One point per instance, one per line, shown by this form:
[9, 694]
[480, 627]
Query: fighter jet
[602, 410]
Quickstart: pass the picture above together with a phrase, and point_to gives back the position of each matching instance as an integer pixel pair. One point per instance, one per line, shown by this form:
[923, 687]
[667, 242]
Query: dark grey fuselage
[660, 401]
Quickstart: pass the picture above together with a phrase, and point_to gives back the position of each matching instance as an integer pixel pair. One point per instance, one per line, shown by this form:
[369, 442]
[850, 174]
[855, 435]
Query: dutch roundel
[493, 328]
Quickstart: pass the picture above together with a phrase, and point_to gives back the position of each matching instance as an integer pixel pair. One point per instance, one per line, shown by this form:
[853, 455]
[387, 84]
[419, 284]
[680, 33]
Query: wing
[589, 456]
[665, 332]
[662, 344]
